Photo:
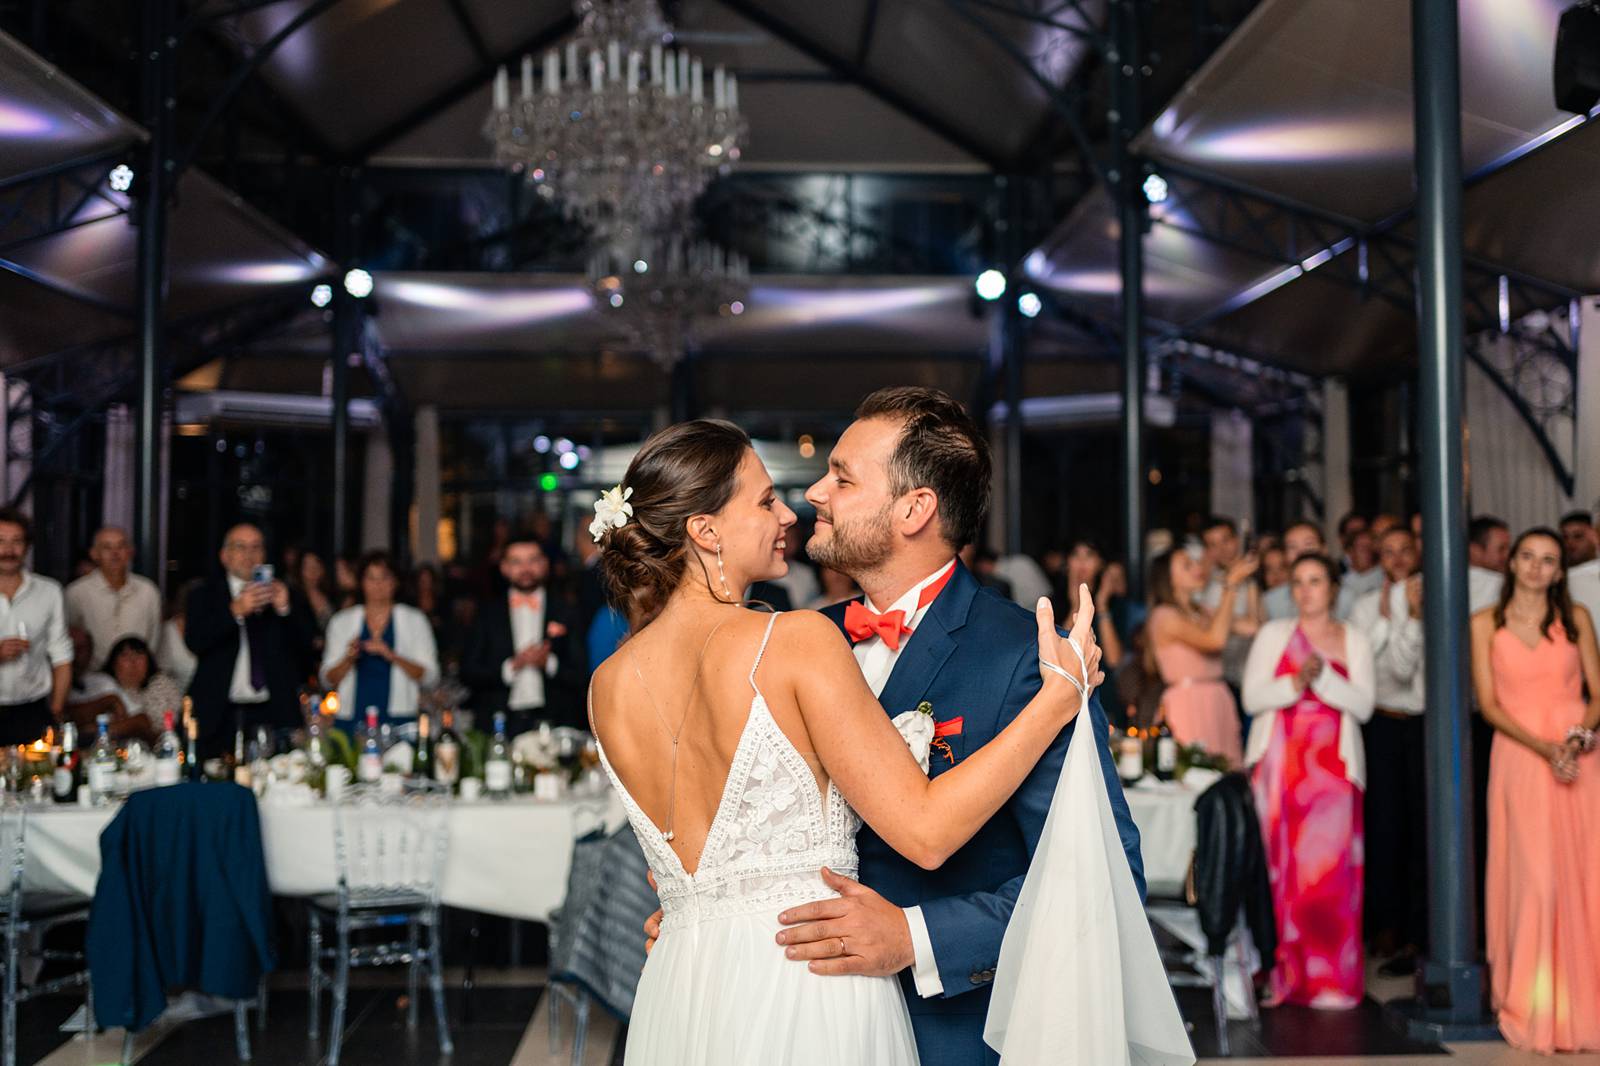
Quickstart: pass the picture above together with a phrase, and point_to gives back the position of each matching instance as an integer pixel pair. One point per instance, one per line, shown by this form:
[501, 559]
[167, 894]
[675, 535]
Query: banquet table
[1164, 813]
[509, 858]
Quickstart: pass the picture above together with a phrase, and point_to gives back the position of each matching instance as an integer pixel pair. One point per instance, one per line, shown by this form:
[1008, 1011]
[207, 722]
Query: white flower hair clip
[611, 511]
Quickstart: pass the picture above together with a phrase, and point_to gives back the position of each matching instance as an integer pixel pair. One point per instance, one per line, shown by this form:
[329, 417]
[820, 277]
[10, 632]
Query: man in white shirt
[1582, 543]
[1221, 538]
[109, 602]
[1362, 572]
[1488, 551]
[35, 651]
[1396, 795]
[1301, 538]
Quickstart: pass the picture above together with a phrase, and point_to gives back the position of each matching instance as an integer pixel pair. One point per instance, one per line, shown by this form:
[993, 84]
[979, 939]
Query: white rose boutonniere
[917, 728]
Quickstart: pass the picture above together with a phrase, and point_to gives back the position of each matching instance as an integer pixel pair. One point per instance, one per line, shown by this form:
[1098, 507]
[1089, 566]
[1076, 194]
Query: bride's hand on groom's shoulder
[1058, 650]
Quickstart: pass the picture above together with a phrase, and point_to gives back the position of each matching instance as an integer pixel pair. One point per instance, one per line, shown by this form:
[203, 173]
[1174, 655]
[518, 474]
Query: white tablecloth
[504, 858]
[1164, 813]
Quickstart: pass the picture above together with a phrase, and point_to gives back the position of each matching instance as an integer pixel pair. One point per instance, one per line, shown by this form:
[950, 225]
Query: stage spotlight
[640, 266]
[569, 460]
[121, 178]
[358, 283]
[991, 284]
[322, 295]
[1030, 304]
[1577, 62]
[549, 482]
[1156, 189]
[541, 444]
[563, 446]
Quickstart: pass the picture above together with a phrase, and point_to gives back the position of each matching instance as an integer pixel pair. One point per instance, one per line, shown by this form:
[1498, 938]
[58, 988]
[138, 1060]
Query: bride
[747, 748]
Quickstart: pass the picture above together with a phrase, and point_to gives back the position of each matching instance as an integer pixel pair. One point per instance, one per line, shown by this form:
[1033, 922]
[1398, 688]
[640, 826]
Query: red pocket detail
[952, 728]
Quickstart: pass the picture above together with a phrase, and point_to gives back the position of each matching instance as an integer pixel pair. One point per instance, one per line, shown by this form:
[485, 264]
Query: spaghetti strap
[762, 651]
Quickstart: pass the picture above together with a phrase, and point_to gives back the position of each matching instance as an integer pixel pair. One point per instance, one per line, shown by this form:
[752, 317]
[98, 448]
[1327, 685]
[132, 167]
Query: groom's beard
[858, 547]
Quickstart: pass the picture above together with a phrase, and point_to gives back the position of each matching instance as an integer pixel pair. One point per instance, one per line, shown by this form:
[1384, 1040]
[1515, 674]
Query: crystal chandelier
[656, 295]
[624, 132]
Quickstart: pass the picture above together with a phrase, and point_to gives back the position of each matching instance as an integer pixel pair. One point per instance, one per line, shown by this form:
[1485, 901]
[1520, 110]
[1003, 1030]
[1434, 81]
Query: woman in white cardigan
[379, 653]
[1308, 686]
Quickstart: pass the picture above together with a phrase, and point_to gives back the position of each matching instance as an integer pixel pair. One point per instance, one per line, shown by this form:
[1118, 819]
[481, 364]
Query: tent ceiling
[47, 119]
[1310, 102]
[802, 64]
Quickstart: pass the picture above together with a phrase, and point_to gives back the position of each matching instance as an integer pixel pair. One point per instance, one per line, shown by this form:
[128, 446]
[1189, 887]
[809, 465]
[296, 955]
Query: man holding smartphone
[249, 645]
[35, 651]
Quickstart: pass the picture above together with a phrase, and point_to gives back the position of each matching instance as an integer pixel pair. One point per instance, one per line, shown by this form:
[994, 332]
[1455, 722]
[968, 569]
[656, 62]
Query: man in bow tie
[907, 486]
[521, 655]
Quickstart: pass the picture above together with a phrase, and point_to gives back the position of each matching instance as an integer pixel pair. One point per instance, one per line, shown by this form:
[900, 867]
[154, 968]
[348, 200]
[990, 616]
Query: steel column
[346, 328]
[1123, 63]
[158, 97]
[1452, 988]
[1011, 355]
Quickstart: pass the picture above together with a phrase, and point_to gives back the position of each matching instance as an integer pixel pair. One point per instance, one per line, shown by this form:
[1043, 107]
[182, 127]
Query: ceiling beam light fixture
[990, 285]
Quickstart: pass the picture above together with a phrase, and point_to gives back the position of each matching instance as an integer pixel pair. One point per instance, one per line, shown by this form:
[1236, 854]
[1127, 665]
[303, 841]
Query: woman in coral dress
[1187, 643]
[1309, 684]
[1532, 655]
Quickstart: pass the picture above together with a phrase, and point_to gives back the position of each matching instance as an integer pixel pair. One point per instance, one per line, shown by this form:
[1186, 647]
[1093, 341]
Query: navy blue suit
[974, 656]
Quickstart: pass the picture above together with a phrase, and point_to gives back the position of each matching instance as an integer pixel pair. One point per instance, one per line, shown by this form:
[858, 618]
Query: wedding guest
[1488, 548]
[1350, 524]
[310, 578]
[1138, 687]
[173, 656]
[35, 652]
[1362, 572]
[1533, 655]
[346, 587]
[249, 644]
[131, 690]
[1125, 613]
[1274, 569]
[380, 653]
[836, 588]
[1396, 793]
[801, 581]
[1583, 568]
[1382, 523]
[1222, 549]
[111, 602]
[606, 634]
[1579, 539]
[1300, 539]
[983, 563]
[1309, 684]
[1187, 642]
[521, 655]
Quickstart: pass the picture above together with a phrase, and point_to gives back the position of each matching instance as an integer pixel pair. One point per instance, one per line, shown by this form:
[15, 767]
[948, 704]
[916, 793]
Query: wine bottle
[447, 753]
[497, 767]
[193, 767]
[241, 757]
[1166, 752]
[169, 754]
[369, 768]
[1130, 756]
[102, 764]
[67, 777]
[422, 764]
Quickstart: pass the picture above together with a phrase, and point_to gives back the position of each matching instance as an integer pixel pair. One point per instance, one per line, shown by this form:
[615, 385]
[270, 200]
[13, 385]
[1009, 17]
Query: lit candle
[697, 81]
[719, 87]
[502, 90]
[614, 60]
[597, 72]
[733, 92]
[655, 66]
[527, 77]
[672, 78]
[633, 73]
[572, 61]
[683, 71]
[552, 72]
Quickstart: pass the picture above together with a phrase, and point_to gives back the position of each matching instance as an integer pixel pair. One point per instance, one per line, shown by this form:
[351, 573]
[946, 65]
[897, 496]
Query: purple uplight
[18, 121]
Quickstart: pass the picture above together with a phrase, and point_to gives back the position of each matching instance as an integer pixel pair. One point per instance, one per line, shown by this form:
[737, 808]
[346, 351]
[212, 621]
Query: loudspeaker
[1577, 67]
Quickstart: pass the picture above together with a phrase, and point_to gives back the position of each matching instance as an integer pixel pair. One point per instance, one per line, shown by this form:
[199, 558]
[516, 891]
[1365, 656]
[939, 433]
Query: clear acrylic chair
[24, 920]
[389, 849]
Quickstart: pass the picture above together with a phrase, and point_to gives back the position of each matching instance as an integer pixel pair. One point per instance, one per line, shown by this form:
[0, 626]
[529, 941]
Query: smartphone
[263, 574]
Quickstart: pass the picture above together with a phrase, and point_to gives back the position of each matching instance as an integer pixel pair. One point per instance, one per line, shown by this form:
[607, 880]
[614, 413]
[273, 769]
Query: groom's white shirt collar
[877, 660]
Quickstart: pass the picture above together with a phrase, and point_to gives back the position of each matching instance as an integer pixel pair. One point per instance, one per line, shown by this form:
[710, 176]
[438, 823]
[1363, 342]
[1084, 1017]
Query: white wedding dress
[717, 989]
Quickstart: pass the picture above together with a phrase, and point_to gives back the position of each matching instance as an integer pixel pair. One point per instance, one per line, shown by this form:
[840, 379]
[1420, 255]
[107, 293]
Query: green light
[549, 482]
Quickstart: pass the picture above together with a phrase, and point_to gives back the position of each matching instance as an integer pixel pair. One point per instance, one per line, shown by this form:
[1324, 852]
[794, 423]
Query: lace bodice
[773, 830]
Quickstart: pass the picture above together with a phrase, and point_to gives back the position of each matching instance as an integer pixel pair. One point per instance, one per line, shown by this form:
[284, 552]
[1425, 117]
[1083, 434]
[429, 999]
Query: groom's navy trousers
[974, 657]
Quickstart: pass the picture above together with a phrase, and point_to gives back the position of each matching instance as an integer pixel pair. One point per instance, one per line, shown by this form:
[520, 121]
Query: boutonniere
[554, 631]
[924, 735]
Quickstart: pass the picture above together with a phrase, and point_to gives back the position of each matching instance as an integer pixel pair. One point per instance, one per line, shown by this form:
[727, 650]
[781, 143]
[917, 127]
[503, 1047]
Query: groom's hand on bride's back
[858, 933]
[652, 924]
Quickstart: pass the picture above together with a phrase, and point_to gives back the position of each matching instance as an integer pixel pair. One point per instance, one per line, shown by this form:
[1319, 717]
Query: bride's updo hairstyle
[687, 469]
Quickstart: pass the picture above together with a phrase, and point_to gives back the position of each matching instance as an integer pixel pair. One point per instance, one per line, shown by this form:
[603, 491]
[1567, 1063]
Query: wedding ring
[843, 951]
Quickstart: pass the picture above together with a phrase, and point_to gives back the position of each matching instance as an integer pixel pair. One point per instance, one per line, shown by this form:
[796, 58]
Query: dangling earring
[722, 575]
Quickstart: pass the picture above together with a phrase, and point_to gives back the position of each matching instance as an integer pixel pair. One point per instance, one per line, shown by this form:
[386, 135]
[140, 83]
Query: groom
[907, 487]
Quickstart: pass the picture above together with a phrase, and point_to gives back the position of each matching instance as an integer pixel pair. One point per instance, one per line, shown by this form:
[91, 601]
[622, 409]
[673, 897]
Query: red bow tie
[530, 600]
[861, 623]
